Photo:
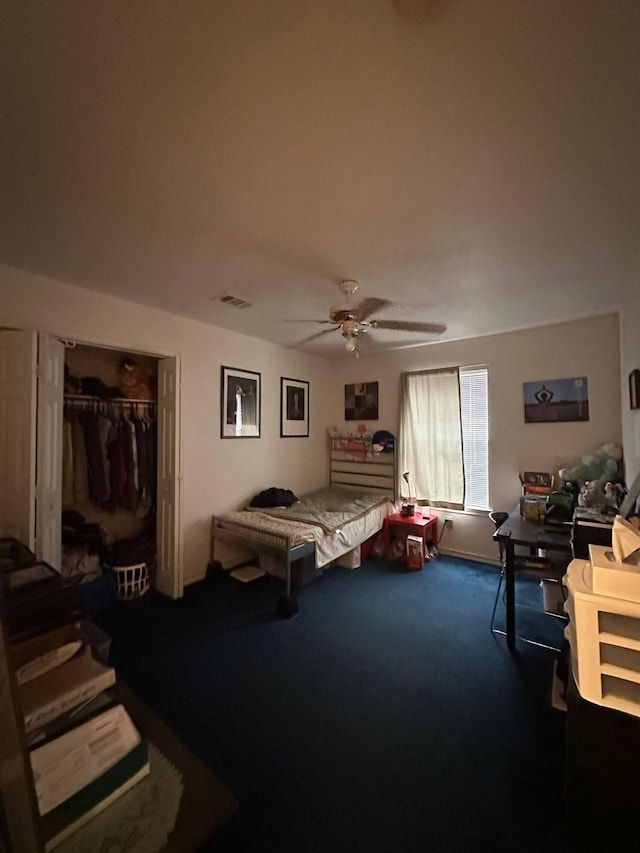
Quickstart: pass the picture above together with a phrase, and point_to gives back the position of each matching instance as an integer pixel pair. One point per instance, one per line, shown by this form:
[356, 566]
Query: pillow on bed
[274, 497]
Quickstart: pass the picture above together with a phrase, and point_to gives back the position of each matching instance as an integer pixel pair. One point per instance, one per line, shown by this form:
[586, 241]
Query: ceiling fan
[352, 319]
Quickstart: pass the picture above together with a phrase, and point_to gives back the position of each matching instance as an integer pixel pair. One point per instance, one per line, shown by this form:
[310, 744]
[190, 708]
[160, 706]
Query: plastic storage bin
[99, 641]
[604, 635]
[14, 555]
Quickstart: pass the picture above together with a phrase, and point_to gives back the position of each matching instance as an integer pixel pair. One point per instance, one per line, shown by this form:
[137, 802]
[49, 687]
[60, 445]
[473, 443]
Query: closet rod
[72, 398]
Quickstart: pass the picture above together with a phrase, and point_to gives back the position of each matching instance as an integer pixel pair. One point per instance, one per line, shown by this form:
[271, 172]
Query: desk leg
[510, 572]
[385, 537]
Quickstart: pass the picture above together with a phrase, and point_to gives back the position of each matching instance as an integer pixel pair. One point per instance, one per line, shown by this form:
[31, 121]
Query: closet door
[18, 388]
[49, 454]
[31, 385]
[169, 571]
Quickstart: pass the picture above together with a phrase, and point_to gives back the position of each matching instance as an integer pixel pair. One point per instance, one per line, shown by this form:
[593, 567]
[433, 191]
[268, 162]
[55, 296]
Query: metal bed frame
[352, 465]
[287, 604]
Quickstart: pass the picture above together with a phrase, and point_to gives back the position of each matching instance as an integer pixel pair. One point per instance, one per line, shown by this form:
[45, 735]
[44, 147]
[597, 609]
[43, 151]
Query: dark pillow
[274, 497]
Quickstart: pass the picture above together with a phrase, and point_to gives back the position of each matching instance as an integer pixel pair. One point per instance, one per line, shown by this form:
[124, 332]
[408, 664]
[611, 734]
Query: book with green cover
[82, 771]
[69, 816]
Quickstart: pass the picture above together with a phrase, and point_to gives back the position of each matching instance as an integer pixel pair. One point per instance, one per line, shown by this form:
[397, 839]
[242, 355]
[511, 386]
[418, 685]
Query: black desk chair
[498, 519]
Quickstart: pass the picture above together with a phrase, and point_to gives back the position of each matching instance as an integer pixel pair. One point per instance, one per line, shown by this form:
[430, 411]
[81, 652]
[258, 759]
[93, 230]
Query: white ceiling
[475, 161]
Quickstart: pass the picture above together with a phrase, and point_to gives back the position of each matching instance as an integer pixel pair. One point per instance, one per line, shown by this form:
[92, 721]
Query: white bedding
[267, 528]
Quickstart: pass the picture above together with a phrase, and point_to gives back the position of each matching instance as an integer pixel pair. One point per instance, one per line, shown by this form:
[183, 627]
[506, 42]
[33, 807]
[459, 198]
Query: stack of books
[56, 672]
[84, 749]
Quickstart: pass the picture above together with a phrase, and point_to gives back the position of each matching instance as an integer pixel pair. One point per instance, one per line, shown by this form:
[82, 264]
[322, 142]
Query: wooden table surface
[206, 802]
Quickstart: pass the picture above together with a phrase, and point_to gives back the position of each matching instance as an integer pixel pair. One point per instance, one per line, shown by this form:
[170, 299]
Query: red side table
[425, 526]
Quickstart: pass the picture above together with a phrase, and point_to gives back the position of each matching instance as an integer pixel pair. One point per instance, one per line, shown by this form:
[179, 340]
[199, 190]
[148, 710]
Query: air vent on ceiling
[234, 301]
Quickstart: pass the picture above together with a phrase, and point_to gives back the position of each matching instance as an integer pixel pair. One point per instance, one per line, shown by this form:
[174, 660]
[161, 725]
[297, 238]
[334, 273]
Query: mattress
[336, 520]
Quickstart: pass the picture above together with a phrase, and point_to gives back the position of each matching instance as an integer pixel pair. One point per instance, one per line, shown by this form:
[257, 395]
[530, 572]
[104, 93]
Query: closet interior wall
[103, 367]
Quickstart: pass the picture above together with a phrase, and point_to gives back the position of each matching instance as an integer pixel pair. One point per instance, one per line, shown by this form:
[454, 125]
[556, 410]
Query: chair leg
[503, 633]
[495, 603]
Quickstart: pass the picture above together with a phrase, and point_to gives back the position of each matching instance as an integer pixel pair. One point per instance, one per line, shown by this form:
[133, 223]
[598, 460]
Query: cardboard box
[39, 654]
[52, 694]
[415, 553]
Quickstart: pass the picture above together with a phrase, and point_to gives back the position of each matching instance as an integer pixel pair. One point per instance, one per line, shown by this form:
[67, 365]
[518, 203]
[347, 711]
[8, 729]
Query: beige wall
[222, 474]
[630, 358]
[583, 348]
[218, 474]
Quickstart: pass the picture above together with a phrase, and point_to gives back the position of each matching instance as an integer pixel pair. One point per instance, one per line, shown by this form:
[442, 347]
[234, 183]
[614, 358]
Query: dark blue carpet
[384, 717]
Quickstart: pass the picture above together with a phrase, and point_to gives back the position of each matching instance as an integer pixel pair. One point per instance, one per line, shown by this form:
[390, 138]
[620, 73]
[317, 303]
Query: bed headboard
[353, 464]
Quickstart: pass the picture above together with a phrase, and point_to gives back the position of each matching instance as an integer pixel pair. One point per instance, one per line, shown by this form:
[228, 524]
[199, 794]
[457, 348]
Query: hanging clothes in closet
[109, 453]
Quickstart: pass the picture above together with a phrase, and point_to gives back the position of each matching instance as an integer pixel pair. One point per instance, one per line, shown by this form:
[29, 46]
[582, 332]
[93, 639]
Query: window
[444, 436]
[474, 409]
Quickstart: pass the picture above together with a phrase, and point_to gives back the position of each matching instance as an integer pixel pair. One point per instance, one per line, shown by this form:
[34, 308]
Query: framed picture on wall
[556, 400]
[240, 400]
[294, 408]
[361, 401]
[634, 389]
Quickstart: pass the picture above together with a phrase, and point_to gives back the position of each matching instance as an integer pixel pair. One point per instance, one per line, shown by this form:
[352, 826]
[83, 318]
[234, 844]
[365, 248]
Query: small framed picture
[537, 478]
[240, 400]
[294, 408]
[634, 389]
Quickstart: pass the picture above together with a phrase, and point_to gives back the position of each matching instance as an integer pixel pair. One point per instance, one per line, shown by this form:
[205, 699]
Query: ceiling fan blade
[370, 305]
[306, 320]
[316, 335]
[409, 326]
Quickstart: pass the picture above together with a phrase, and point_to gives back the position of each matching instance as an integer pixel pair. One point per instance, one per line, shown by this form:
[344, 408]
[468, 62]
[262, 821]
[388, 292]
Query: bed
[325, 526]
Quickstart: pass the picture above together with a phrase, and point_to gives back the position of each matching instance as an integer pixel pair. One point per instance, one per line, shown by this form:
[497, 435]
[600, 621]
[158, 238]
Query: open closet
[109, 463]
[128, 403]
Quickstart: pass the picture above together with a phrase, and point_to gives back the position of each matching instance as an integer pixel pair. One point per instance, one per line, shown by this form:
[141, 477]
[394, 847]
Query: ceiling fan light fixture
[352, 319]
[350, 342]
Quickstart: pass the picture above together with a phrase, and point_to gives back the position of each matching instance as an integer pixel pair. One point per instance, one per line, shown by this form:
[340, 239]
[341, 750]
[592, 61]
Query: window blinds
[474, 409]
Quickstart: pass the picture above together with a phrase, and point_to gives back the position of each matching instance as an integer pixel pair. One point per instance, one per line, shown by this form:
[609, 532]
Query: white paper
[625, 539]
[65, 765]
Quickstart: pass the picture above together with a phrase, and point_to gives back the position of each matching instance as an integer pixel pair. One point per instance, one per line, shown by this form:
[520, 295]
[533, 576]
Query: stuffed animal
[135, 381]
[614, 493]
[598, 468]
[591, 494]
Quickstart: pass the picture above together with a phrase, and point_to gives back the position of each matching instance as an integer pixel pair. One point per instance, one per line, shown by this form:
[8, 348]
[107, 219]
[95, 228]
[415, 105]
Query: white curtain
[430, 441]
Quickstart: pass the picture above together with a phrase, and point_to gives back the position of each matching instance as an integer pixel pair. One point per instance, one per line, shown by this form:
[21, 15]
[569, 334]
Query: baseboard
[463, 555]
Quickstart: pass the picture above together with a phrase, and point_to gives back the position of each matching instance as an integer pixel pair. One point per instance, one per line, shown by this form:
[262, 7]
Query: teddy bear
[591, 494]
[598, 468]
[135, 381]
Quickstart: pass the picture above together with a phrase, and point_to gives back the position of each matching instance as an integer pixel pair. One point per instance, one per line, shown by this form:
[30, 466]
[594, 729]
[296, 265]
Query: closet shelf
[90, 399]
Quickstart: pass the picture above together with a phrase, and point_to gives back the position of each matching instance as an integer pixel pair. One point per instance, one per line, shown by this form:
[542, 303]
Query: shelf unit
[604, 635]
[205, 804]
[18, 805]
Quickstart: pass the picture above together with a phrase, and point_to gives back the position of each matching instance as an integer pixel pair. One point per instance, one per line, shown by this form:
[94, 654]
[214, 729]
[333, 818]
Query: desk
[206, 803]
[517, 531]
[424, 526]
[602, 786]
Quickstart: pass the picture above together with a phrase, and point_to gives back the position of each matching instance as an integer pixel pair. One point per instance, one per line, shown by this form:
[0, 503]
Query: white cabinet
[604, 635]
